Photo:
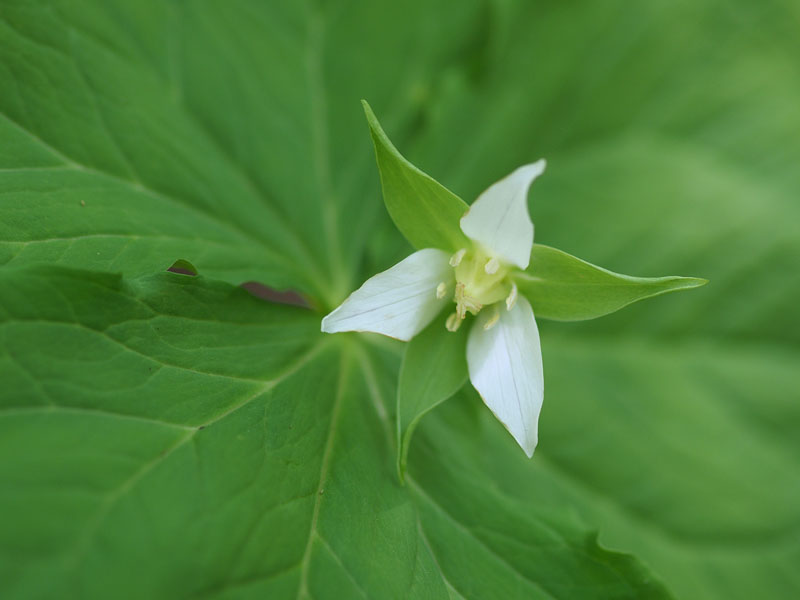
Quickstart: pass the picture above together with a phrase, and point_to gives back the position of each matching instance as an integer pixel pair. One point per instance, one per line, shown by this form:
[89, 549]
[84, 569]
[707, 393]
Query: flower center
[481, 280]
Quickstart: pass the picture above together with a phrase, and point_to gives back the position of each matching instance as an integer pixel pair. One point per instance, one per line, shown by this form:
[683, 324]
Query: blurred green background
[672, 134]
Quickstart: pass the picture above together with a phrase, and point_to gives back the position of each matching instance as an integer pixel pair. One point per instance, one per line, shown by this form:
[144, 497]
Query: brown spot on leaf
[264, 292]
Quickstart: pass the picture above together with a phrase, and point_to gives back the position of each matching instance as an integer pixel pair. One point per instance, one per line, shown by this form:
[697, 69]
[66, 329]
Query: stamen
[453, 322]
[456, 259]
[512, 297]
[472, 305]
[441, 290]
[461, 309]
[465, 303]
[492, 265]
[492, 320]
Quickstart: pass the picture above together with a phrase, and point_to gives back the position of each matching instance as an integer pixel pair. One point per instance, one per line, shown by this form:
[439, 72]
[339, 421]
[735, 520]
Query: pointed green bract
[434, 368]
[425, 212]
[565, 288]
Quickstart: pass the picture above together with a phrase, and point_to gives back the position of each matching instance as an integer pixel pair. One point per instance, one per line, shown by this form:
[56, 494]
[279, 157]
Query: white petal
[399, 302]
[505, 366]
[499, 218]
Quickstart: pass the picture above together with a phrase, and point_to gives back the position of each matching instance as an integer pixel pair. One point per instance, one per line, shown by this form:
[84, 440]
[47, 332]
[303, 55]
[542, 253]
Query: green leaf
[565, 288]
[91, 155]
[425, 212]
[434, 367]
[170, 425]
[136, 132]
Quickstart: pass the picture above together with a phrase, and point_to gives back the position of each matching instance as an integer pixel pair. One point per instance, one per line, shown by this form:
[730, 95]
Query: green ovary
[481, 280]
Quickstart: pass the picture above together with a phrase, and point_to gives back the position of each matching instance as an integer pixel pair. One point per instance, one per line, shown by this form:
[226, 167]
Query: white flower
[503, 352]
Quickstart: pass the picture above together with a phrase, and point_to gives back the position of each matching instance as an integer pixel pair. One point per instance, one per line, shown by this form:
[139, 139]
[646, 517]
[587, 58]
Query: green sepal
[562, 287]
[434, 368]
[424, 211]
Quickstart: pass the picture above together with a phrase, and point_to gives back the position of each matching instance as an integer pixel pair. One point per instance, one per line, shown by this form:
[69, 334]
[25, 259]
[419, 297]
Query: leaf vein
[303, 590]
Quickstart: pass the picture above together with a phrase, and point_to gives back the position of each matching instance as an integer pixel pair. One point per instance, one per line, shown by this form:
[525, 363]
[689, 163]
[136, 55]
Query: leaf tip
[689, 283]
[183, 267]
[369, 113]
[379, 137]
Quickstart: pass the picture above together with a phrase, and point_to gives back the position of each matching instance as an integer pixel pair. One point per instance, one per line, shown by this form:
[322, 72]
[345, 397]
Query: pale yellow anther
[441, 290]
[511, 300]
[453, 322]
[492, 321]
[492, 265]
[456, 259]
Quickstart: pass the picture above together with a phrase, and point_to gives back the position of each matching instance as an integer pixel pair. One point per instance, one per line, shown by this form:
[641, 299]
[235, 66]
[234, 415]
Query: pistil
[481, 280]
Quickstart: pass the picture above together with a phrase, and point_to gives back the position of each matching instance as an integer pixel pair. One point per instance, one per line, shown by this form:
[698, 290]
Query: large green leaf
[134, 133]
[160, 426]
[137, 132]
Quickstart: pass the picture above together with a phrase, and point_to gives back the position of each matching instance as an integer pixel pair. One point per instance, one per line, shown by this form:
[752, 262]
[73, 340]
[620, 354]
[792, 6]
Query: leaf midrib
[344, 367]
